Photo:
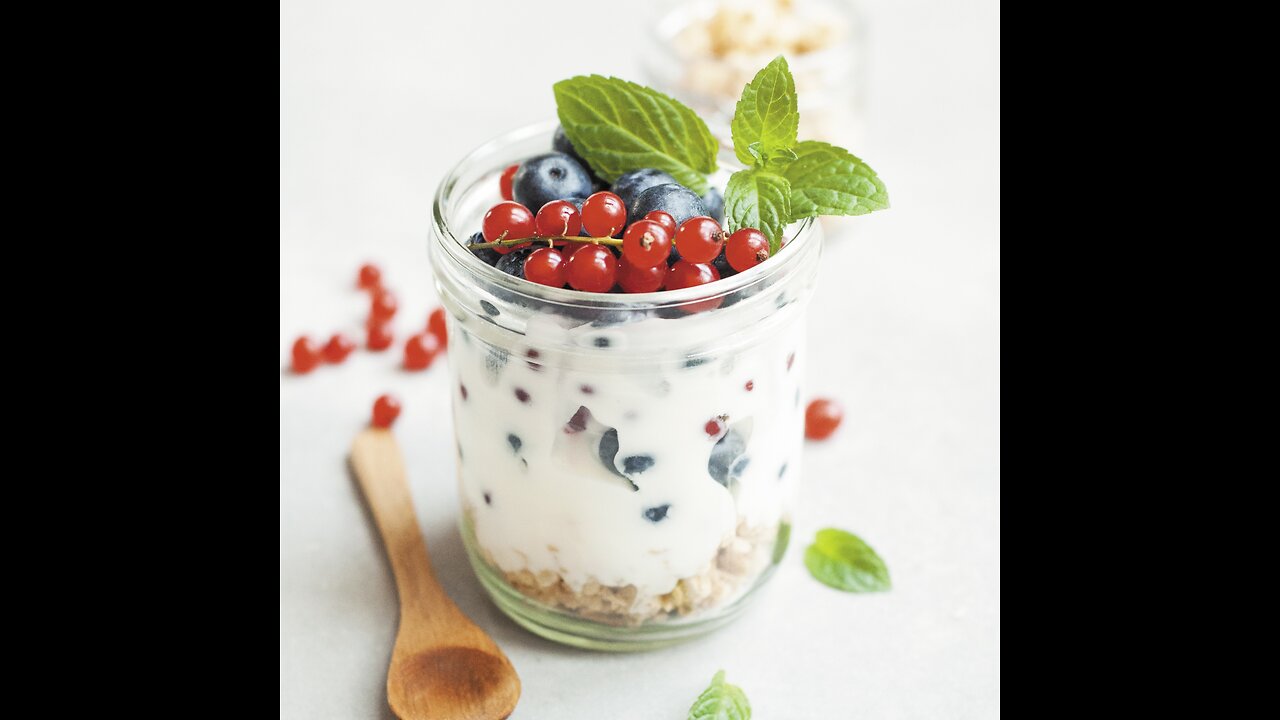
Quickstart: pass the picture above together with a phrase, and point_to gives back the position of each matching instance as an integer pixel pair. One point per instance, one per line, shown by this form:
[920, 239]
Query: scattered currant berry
[420, 351]
[592, 268]
[436, 326]
[699, 239]
[746, 248]
[546, 266]
[663, 219]
[306, 355]
[641, 280]
[370, 276]
[558, 217]
[504, 182]
[604, 215]
[821, 418]
[384, 305]
[646, 244]
[751, 385]
[714, 427]
[338, 348]
[379, 336]
[507, 221]
[385, 411]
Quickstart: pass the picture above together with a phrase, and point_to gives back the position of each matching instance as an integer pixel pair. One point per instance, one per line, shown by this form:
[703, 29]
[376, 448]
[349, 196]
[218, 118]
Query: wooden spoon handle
[379, 468]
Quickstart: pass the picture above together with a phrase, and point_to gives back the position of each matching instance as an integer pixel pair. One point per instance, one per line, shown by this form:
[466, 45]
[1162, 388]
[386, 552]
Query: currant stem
[615, 242]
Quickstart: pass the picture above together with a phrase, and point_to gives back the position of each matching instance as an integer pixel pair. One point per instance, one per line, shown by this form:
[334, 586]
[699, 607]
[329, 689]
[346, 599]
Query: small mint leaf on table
[843, 561]
[829, 180]
[618, 126]
[759, 199]
[721, 701]
[766, 115]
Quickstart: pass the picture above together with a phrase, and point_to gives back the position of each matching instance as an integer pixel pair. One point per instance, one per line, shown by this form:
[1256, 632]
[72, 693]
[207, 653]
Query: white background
[379, 98]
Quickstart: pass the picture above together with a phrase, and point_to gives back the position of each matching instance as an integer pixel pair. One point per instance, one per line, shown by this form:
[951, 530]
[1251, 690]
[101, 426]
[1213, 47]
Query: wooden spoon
[443, 667]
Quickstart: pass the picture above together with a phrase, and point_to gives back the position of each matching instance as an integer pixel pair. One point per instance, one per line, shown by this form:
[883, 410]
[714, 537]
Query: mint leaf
[759, 199]
[828, 180]
[843, 561]
[766, 114]
[721, 701]
[619, 126]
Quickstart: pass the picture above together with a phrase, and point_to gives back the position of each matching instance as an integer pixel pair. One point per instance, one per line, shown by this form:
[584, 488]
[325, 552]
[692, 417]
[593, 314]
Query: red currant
[420, 351]
[714, 427]
[684, 274]
[592, 268]
[338, 348]
[546, 266]
[384, 305]
[504, 182]
[663, 219]
[604, 215]
[646, 244]
[821, 418]
[641, 280]
[699, 239]
[436, 326]
[385, 411]
[370, 276]
[507, 221]
[306, 355]
[746, 248]
[558, 217]
[379, 335]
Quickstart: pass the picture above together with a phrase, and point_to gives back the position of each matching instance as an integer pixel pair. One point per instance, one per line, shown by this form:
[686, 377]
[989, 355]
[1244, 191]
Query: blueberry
[514, 441]
[656, 514]
[601, 342]
[740, 467]
[608, 450]
[560, 143]
[522, 395]
[577, 202]
[549, 177]
[629, 185]
[513, 262]
[674, 199]
[721, 264]
[713, 201]
[488, 499]
[495, 361]
[724, 456]
[691, 362]
[488, 255]
[637, 463]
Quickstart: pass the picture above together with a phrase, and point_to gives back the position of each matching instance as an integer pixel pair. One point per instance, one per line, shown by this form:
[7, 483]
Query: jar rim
[455, 249]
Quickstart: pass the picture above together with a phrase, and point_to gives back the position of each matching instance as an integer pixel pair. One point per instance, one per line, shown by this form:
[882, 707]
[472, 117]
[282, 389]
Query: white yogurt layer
[542, 499]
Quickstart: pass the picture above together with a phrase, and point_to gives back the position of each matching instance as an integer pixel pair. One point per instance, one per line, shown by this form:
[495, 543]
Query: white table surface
[378, 98]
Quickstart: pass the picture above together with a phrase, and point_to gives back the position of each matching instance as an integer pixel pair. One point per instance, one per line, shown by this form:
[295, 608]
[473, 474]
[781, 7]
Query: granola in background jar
[712, 48]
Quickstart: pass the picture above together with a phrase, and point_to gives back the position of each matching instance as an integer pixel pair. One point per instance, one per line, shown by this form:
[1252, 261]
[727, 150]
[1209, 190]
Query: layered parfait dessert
[627, 359]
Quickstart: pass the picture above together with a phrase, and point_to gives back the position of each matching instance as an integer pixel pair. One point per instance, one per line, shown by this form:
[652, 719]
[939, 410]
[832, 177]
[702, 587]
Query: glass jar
[626, 462]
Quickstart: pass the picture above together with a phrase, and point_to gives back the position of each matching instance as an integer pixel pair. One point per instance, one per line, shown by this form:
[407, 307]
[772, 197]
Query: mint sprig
[787, 180]
[843, 561]
[618, 126]
[721, 701]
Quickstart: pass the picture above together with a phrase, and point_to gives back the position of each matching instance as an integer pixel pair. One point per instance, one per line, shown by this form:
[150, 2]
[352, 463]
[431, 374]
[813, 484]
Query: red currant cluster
[419, 351]
[592, 248]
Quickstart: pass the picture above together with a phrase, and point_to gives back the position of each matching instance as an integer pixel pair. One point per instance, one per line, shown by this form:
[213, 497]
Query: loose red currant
[746, 248]
[507, 221]
[379, 335]
[384, 305]
[338, 348]
[546, 266]
[714, 427]
[504, 182]
[558, 217]
[420, 351]
[370, 276]
[684, 274]
[640, 280]
[436, 326]
[646, 244]
[592, 268]
[306, 355]
[821, 418]
[699, 239]
[385, 411]
[663, 219]
[604, 215]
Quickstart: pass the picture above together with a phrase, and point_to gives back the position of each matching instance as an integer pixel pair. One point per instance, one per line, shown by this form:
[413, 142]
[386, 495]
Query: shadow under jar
[626, 462]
